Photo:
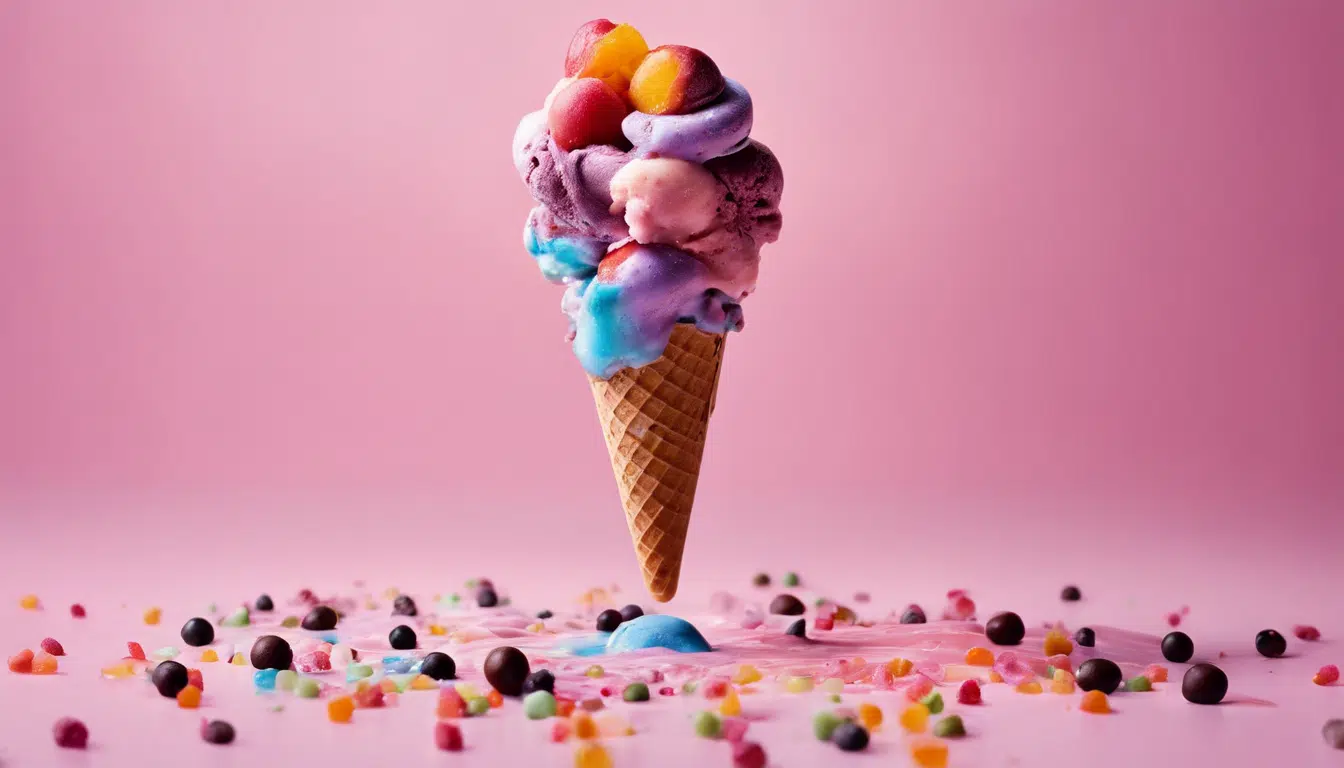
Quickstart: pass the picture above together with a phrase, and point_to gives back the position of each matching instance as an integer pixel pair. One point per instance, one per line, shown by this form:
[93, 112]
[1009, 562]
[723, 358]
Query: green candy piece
[285, 680]
[790, 579]
[359, 670]
[636, 692]
[688, 687]
[835, 698]
[707, 725]
[478, 706]
[824, 724]
[305, 687]
[278, 708]
[949, 727]
[290, 622]
[539, 705]
[933, 702]
[595, 670]
[1140, 684]
[239, 618]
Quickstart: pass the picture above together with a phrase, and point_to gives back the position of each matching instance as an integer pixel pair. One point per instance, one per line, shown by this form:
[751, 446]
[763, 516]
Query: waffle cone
[654, 419]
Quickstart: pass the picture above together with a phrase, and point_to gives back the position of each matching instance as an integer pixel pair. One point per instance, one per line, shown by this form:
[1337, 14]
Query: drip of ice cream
[663, 230]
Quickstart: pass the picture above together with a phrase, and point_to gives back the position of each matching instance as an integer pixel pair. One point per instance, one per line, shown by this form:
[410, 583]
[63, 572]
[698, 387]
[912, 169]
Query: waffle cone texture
[654, 420]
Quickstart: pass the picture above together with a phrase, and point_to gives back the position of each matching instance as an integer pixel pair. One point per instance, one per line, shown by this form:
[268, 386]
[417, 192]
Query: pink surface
[254, 333]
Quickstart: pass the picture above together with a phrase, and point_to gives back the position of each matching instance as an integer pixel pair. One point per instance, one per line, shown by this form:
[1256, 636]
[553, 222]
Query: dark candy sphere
[1204, 684]
[608, 620]
[1070, 594]
[1177, 647]
[198, 632]
[271, 652]
[797, 628]
[403, 606]
[402, 638]
[850, 737]
[486, 597]
[787, 605]
[439, 666]
[506, 668]
[1005, 629]
[631, 612]
[169, 678]
[263, 604]
[541, 680]
[321, 619]
[1270, 644]
[1099, 675]
[1085, 637]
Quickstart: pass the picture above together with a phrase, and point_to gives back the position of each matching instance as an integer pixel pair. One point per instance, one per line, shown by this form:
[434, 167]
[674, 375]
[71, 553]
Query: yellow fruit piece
[899, 667]
[209, 655]
[537, 627]
[423, 683]
[915, 718]
[1095, 702]
[980, 657]
[929, 753]
[30, 603]
[833, 685]
[435, 629]
[651, 92]
[746, 674]
[1062, 685]
[44, 664]
[583, 726]
[238, 660]
[152, 616]
[467, 691]
[189, 697]
[1057, 643]
[731, 706]
[118, 671]
[616, 57]
[995, 677]
[1031, 686]
[340, 710]
[799, 684]
[591, 755]
[870, 716]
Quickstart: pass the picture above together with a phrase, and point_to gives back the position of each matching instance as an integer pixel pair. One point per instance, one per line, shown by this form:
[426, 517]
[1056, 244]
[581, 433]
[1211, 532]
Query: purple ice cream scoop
[713, 131]
[575, 185]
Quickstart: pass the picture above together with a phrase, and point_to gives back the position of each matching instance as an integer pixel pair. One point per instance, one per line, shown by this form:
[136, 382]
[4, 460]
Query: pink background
[1056, 273]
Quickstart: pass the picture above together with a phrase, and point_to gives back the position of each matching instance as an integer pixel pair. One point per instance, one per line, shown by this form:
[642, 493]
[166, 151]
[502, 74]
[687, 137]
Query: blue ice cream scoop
[657, 631]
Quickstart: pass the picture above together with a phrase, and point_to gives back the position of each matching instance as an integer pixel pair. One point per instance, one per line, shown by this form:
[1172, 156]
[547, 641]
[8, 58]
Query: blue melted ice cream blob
[657, 631]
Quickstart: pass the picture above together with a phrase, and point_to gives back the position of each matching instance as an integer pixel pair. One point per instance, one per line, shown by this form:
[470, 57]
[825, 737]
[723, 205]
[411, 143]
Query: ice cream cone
[655, 419]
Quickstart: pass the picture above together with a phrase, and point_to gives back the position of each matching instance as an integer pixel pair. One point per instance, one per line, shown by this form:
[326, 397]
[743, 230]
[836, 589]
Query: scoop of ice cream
[665, 200]
[624, 316]
[575, 185]
[718, 129]
[657, 630]
[754, 183]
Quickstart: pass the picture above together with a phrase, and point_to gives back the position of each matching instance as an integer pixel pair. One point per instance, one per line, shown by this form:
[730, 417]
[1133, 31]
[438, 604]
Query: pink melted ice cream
[660, 227]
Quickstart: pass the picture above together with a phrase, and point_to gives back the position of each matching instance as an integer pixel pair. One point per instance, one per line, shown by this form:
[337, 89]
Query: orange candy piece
[1095, 702]
[870, 715]
[189, 697]
[929, 753]
[340, 710]
[995, 677]
[44, 664]
[584, 727]
[495, 698]
[1030, 686]
[899, 667]
[1057, 643]
[21, 662]
[980, 657]
[615, 57]
[30, 603]
[1156, 673]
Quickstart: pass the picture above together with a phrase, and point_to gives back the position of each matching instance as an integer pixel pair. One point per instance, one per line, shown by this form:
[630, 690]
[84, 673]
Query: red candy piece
[77, 611]
[1174, 619]
[921, 687]
[21, 662]
[560, 731]
[317, 661]
[586, 112]
[50, 645]
[734, 729]
[69, 733]
[969, 693]
[194, 678]
[716, 689]
[1327, 675]
[667, 690]
[583, 41]
[451, 703]
[1306, 632]
[136, 651]
[369, 698]
[748, 754]
[606, 690]
[826, 623]
[447, 737]
[960, 607]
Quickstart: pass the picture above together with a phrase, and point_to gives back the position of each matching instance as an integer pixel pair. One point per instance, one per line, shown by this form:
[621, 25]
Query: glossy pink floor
[1273, 714]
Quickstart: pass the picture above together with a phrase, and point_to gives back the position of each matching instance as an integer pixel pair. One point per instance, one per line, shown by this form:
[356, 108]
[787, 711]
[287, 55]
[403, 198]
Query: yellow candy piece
[238, 660]
[189, 697]
[44, 664]
[467, 691]
[537, 627]
[616, 56]
[30, 603]
[423, 683]
[980, 657]
[591, 755]
[798, 684]
[435, 629]
[391, 593]
[870, 716]
[995, 677]
[1031, 686]
[833, 685]
[1057, 643]
[731, 706]
[152, 616]
[899, 667]
[583, 726]
[389, 685]
[746, 674]
[915, 718]
[118, 671]
[1095, 702]
[1061, 685]
[209, 655]
[929, 753]
[340, 710]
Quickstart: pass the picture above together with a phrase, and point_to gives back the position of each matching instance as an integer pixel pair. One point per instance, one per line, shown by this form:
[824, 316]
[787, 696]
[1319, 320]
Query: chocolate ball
[797, 628]
[486, 597]
[439, 666]
[1085, 637]
[1204, 684]
[608, 620]
[541, 680]
[1270, 644]
[169, 678]
[263, 604]
[787, 605]
[1177, 647]
[1099, 675]
[914, 615]
[631, 612]
[271, 652]
[402, 638]
[1070, 594]
[321, 619]
[1005, 629]
[404, 606]
[506, 668]
[198, 632]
